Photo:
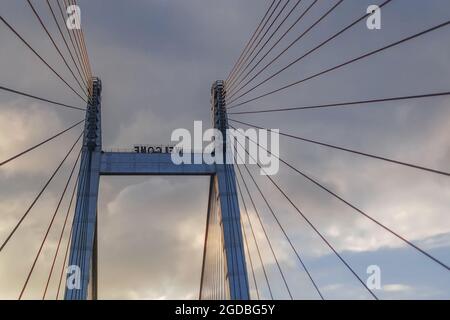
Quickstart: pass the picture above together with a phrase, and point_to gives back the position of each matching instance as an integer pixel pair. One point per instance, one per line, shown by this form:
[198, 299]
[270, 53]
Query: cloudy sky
[157, 60]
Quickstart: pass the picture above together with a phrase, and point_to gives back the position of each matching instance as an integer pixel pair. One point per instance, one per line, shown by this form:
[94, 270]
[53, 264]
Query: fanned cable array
[73, 60]
[262, 62]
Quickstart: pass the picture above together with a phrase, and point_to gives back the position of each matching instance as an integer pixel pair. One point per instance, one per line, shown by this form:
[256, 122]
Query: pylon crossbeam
[223, 232]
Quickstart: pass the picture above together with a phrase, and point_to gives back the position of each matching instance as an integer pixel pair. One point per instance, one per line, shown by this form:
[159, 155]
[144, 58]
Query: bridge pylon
[224, 272]
[81, 281]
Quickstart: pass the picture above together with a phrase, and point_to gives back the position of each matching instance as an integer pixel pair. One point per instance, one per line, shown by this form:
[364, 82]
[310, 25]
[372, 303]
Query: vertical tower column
[232, 239]
[82, 268]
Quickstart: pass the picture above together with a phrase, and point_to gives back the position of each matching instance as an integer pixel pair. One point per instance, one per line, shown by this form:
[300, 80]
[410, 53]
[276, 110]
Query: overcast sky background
[157, 60]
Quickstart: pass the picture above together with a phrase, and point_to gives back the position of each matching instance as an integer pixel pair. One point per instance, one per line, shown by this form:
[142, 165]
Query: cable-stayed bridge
[234, 264]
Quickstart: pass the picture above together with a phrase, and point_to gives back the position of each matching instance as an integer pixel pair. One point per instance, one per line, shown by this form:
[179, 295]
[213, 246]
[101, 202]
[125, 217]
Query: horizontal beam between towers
[153, 164]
